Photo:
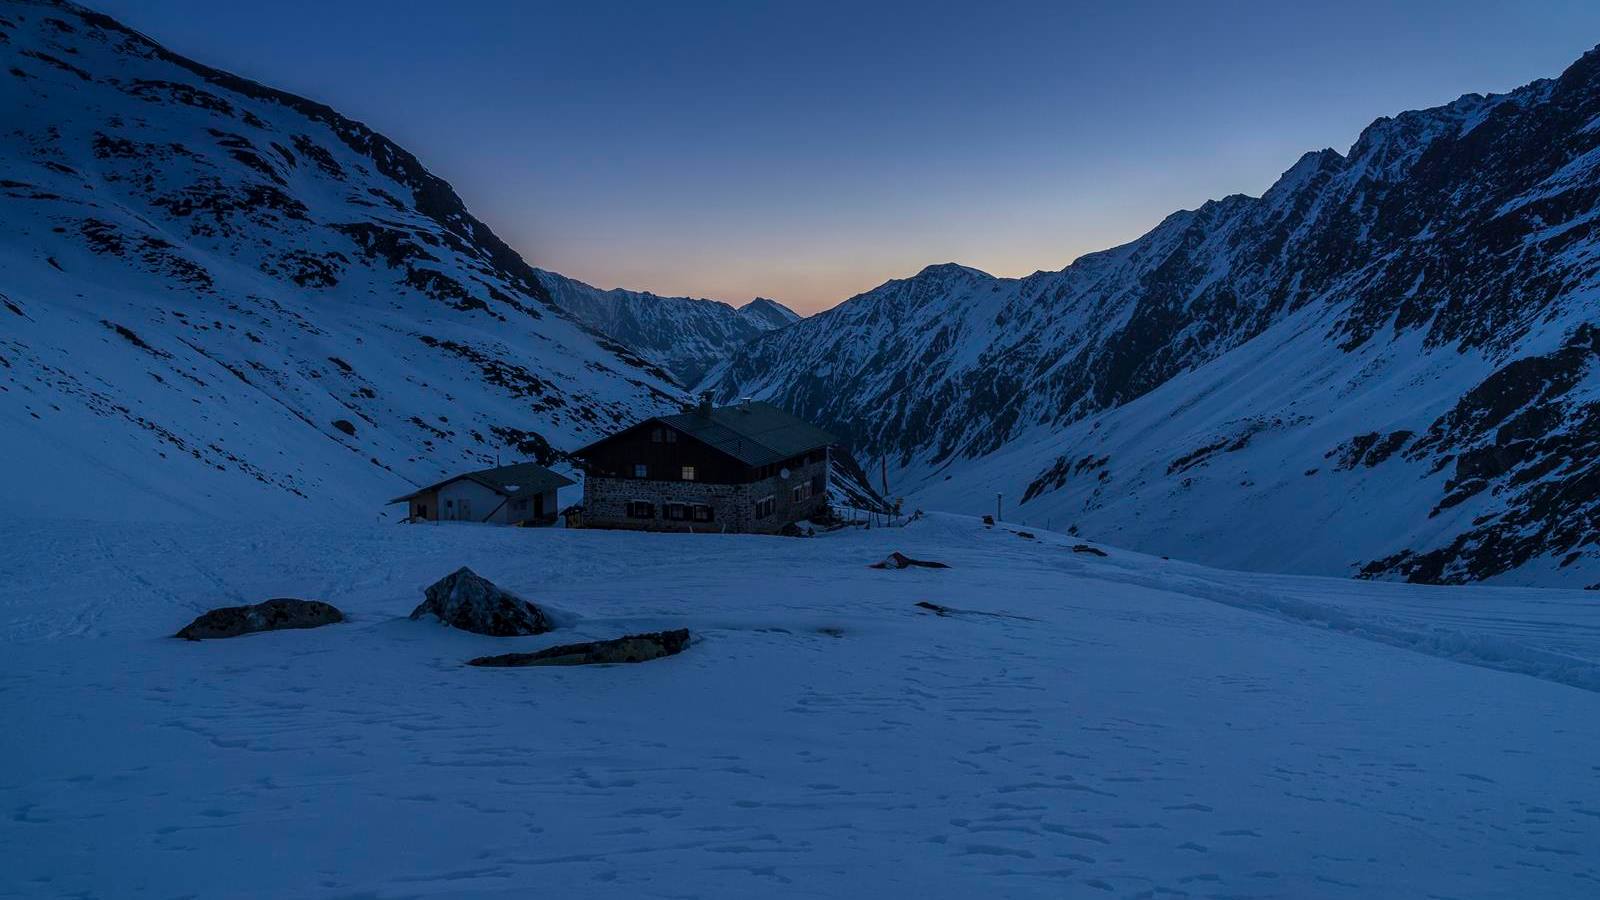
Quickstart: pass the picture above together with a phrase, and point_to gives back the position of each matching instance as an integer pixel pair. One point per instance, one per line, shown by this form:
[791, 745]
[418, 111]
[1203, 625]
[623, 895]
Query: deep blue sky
[809, 151]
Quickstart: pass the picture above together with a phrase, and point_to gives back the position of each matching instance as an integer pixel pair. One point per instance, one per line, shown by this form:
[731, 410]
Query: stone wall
[605, 502]
[785, 508]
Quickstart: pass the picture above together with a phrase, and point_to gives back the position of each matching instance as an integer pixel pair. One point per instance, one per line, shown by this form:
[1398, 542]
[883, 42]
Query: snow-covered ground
[1128, 727]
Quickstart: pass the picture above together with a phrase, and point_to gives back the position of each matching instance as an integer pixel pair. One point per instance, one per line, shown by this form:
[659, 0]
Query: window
[801, 492]
[764, 507]
[640, 470]
[672, 436]
[688, 473]
[641, 509]
[656, 436]
[677, 512]
[702, 513]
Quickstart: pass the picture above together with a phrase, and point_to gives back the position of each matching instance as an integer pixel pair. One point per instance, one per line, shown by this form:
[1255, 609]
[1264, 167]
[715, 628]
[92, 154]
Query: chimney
[705, 405]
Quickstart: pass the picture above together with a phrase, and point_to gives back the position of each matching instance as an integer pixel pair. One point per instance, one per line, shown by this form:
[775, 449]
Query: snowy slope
[220, 300]
[1414, 321]
[1086, 726]
[685, 335]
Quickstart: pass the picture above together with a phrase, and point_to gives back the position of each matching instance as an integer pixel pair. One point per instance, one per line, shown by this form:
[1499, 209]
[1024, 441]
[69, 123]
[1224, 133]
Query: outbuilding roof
[753, 432]
[507, 481]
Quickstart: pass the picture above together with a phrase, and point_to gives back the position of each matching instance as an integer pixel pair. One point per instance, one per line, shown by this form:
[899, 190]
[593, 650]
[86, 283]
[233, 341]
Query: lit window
[640, 470]
[688, 473]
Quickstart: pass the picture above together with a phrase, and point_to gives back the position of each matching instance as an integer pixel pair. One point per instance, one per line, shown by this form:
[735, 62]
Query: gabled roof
[507, 481]
[753, 433]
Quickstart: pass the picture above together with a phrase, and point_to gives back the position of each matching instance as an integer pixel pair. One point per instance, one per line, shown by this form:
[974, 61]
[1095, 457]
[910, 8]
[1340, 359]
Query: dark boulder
[1026, 535]
[633, 648]
[1092, 551]
[898, 560]
[468, 601]
[270, 615]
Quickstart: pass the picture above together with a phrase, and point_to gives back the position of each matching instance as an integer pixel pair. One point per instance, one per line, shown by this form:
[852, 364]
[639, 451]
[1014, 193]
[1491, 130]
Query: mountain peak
[949, 270]
[769, 311]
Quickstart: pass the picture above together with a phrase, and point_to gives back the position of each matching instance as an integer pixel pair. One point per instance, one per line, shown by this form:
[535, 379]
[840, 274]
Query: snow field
[1117, 732]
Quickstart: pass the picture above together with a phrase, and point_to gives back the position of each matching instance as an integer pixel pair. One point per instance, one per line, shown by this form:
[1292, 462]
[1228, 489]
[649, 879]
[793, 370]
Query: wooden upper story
[717, 445]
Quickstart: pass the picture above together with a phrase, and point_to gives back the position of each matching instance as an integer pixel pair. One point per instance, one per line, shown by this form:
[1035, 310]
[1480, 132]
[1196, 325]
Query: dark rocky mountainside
[1412, 320]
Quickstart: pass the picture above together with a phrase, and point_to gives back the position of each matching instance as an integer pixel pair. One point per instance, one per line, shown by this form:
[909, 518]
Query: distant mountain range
[1384, 366]
[686, 336]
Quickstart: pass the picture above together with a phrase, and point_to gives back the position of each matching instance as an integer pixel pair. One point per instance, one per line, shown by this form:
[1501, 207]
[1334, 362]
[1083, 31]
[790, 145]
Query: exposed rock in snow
[898, 560]
[468, 601]
[943, 611]
[270, 615]
[631, 648]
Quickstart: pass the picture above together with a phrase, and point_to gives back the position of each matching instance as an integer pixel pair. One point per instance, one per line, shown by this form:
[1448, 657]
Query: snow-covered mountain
[223, 300]
[685, 335]
[1385, 365]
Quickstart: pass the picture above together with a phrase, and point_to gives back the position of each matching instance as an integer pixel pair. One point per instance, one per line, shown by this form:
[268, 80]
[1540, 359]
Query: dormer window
[688, 473]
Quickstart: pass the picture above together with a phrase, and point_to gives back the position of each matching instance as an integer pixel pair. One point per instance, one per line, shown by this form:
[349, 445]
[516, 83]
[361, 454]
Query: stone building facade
[746, 469]
[734, 508]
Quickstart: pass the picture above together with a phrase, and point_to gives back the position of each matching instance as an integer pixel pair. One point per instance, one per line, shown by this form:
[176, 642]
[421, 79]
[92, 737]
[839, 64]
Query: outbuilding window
[688, 473]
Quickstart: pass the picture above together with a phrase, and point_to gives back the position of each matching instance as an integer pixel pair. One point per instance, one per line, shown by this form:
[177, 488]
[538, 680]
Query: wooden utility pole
[997, 498]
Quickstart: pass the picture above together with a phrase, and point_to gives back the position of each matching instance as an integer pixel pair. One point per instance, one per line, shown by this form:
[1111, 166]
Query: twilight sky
[810, 151]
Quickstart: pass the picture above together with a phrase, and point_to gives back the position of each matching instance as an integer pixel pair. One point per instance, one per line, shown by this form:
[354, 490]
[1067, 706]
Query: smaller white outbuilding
[521, 494]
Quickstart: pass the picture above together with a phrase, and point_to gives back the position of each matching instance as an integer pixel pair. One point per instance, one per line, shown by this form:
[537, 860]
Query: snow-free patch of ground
[1128, 727]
